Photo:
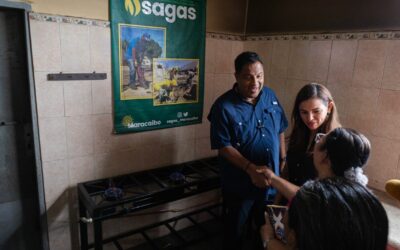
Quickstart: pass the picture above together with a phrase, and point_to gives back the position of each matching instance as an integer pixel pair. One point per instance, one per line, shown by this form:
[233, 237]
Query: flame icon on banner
[132, 6]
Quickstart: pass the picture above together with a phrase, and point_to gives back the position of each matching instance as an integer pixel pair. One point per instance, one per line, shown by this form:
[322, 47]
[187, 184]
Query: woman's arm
[282, 151]
[286, 188]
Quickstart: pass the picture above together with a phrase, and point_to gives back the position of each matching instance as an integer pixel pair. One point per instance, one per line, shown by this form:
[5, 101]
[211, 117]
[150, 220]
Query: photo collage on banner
[158, 63]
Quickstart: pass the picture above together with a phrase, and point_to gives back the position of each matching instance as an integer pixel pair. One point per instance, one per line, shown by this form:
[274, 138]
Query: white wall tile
[185, 133]
[222, 83]
[387, 126]
[342, 61]
[156, 137]
[383, 162]
[118, 163]
[50, 101]
[277, 84]
[102, 96]
[53, 143]
[78, 98]
[208, 93]
[46, 49]
[280, 57]
[389, 102]
[298, 58]
[223, 57]
[318, 61]
[370, 61]
[159, 156]
[102, 163]
[292, 87]
[79, 131]
[340, 97]
[265, 49]
[100, 49]
[251, 46]
[182, 151]
[202, 130]
[60, 237]
[391, 75]
[203, 148]
[126, 142]
[75, 48]
[81, 169]
[360, 101]
[211, 47]
[102, 132]
[56, 181]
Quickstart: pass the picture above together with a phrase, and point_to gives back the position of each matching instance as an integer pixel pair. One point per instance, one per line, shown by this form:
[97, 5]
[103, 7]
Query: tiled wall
[75, 123]
[75, 118]
[362, 70]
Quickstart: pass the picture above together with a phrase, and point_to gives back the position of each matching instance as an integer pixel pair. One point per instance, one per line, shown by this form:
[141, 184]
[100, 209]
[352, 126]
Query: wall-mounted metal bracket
[76, 76]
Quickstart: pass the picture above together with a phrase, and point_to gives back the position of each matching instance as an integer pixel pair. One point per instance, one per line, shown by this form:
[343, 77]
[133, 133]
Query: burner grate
[110, 197]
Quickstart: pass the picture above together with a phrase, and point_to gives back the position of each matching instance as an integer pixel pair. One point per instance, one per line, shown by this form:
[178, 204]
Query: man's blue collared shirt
[251, 129]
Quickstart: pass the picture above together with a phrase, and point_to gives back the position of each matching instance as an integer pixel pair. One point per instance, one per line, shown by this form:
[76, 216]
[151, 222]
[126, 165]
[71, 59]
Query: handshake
[261, 176]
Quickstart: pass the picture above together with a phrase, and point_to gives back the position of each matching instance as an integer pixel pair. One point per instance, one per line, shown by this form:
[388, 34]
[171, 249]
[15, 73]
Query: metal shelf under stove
[140, 190]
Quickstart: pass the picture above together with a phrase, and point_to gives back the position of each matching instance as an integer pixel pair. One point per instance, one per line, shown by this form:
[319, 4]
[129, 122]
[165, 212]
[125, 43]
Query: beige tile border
[67, 19]
[377, 35]
[222, 36]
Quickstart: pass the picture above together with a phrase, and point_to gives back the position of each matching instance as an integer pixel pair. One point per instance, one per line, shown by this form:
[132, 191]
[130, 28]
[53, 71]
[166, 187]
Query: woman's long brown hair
[300, 135]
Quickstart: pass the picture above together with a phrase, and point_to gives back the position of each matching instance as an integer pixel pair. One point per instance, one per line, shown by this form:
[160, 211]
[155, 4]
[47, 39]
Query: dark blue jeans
[242, 221]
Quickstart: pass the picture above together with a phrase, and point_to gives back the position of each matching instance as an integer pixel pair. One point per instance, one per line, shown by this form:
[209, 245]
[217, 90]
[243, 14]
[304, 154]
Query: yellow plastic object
[393, 188]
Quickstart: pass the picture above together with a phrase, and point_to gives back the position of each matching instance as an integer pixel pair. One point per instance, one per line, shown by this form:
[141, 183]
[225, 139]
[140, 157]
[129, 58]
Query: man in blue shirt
[247, 125]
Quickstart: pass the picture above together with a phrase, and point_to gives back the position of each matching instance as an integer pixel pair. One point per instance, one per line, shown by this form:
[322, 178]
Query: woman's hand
[257, 175]
[267, 173]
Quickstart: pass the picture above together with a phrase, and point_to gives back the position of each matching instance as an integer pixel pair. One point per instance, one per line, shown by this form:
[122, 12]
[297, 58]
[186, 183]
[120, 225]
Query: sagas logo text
[169, 11]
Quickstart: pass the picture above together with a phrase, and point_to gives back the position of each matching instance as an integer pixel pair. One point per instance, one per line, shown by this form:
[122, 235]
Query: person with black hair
[247, 126]
[330, 214]
[343, 152]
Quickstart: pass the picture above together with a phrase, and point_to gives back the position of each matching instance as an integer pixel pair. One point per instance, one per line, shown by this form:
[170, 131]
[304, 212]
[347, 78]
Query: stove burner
[130, 192]
[121, 195]
[113, 194]
[177, 178]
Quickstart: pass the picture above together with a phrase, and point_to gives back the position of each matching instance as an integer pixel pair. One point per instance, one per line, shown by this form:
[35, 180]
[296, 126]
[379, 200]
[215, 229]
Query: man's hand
[267, 173]
[257, 176]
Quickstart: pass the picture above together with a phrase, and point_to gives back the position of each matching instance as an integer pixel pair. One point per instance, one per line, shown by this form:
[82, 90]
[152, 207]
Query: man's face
[250, 80]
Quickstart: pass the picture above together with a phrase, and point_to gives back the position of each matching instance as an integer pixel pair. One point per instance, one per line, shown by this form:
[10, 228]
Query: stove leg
[98, 235]
[83, 227]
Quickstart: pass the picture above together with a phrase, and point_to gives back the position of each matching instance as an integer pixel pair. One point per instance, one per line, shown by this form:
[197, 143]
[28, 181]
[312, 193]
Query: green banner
[158, 63]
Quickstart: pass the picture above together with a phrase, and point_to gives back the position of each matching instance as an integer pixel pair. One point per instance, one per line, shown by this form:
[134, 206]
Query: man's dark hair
[246, 58]
[335, 213]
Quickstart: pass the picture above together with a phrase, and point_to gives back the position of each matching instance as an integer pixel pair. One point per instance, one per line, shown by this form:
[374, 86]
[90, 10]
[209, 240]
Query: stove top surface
[127, 193]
